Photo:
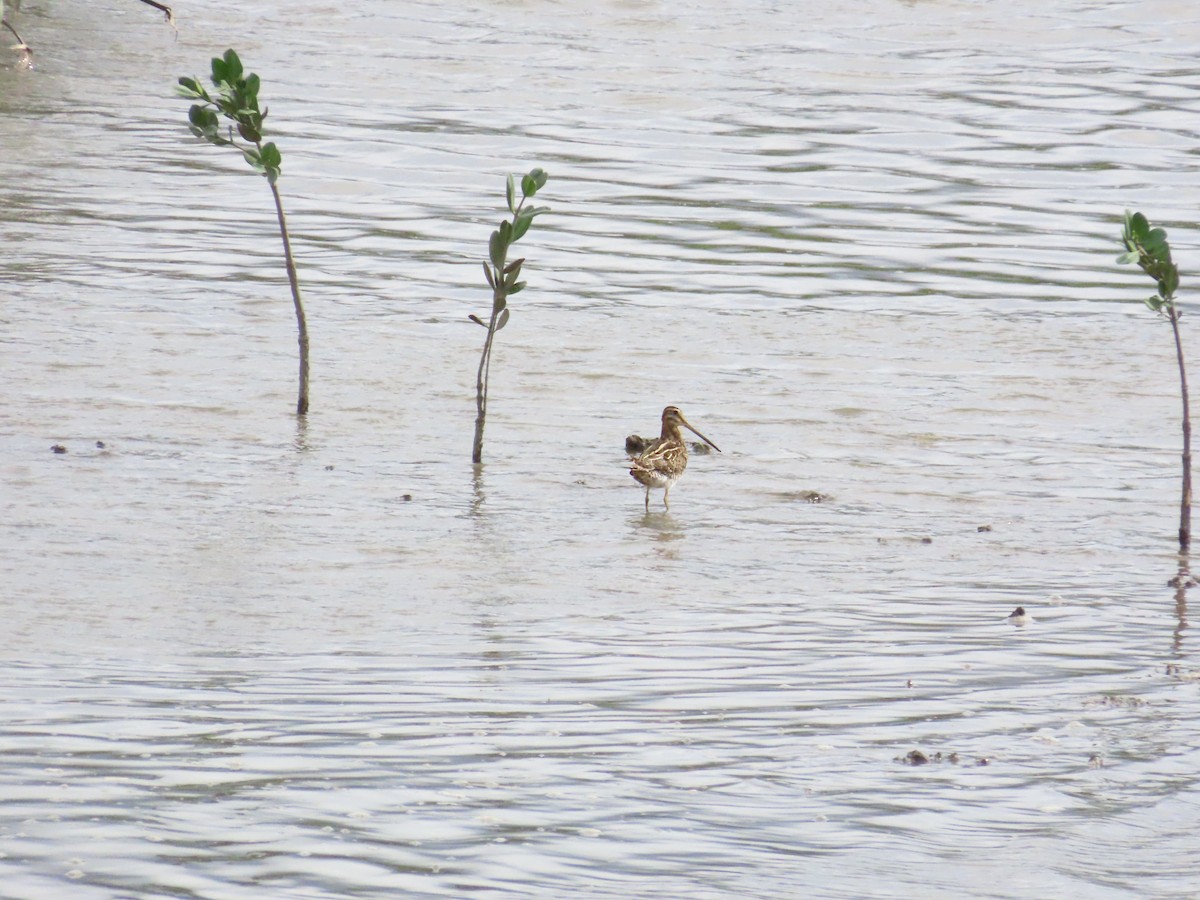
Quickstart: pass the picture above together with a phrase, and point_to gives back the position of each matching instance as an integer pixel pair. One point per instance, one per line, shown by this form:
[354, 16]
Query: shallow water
[868, 249]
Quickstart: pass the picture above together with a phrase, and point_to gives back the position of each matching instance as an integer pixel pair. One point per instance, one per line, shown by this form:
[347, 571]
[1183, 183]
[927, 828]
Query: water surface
[868, 249]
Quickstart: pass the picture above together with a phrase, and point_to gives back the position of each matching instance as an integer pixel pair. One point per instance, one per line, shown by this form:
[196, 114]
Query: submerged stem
[1185, 503]
[482, 377]
[301, 319]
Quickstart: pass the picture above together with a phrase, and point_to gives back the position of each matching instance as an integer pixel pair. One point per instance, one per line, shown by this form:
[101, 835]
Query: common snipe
[662, 463]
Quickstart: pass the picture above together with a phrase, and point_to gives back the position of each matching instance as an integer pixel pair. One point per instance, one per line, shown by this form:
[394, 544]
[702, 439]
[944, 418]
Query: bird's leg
[666, 491]
[647, 499]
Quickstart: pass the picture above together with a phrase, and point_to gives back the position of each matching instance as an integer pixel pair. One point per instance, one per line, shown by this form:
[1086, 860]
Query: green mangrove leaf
[474, 318]
[228, 105]
[249, 132]
[233, 65]
[1155, 243]
[189, 88]
[502, 320]
[271, 157]
[520, 226]
[487, 273]
[205, 124]
[511, 278]
[516, 288]
[510, 191]
[1139, 227]
[497, 249]
[1168, 282]
[533, 182]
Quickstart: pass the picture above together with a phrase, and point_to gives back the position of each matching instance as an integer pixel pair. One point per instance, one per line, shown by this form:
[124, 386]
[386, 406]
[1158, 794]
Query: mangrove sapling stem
[236, 98]
[481, 383]
[297, 302]
[502, 277]
[1148, 248]
[166, 11]
[25, 50]
[21, 45]
[1185, 502]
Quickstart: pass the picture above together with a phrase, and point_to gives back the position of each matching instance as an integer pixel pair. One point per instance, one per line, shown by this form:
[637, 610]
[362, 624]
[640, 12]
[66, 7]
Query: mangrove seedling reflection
[1148, 248]
[502, 277]
[235, 97]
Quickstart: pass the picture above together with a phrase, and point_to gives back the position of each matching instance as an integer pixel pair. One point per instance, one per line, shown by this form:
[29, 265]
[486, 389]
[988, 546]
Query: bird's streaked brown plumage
[662, 463]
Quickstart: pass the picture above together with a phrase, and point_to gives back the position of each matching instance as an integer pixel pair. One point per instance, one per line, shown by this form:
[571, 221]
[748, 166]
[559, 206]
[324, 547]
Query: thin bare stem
[484, 374]
[481, 399]
[301, 319]
[165, 10]
[1185, 503]
[25, 50]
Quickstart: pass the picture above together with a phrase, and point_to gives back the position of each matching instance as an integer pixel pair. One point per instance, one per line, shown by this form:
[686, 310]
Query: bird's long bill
[684, 422]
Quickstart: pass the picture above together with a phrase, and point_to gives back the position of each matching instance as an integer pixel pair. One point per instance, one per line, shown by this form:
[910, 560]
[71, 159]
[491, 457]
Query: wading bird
[662, 463]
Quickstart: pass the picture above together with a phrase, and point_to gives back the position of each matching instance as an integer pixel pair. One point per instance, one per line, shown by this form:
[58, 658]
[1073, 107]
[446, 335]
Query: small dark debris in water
[926, 540]
[1095, 762]
[329, 468]
[1115, 701]
[406, 497]
[99, 445]
[1018, 616]
[910, 683]
[1175, 670]
[804, 496]
[983, 761]
[58, 448]
[917, 758]
[983, 528]
[1183, 580]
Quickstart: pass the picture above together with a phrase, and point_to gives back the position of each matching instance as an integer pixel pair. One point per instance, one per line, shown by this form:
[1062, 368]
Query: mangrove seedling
[234, 97]
[1148, 248]
[503, 279]
[25, 60]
